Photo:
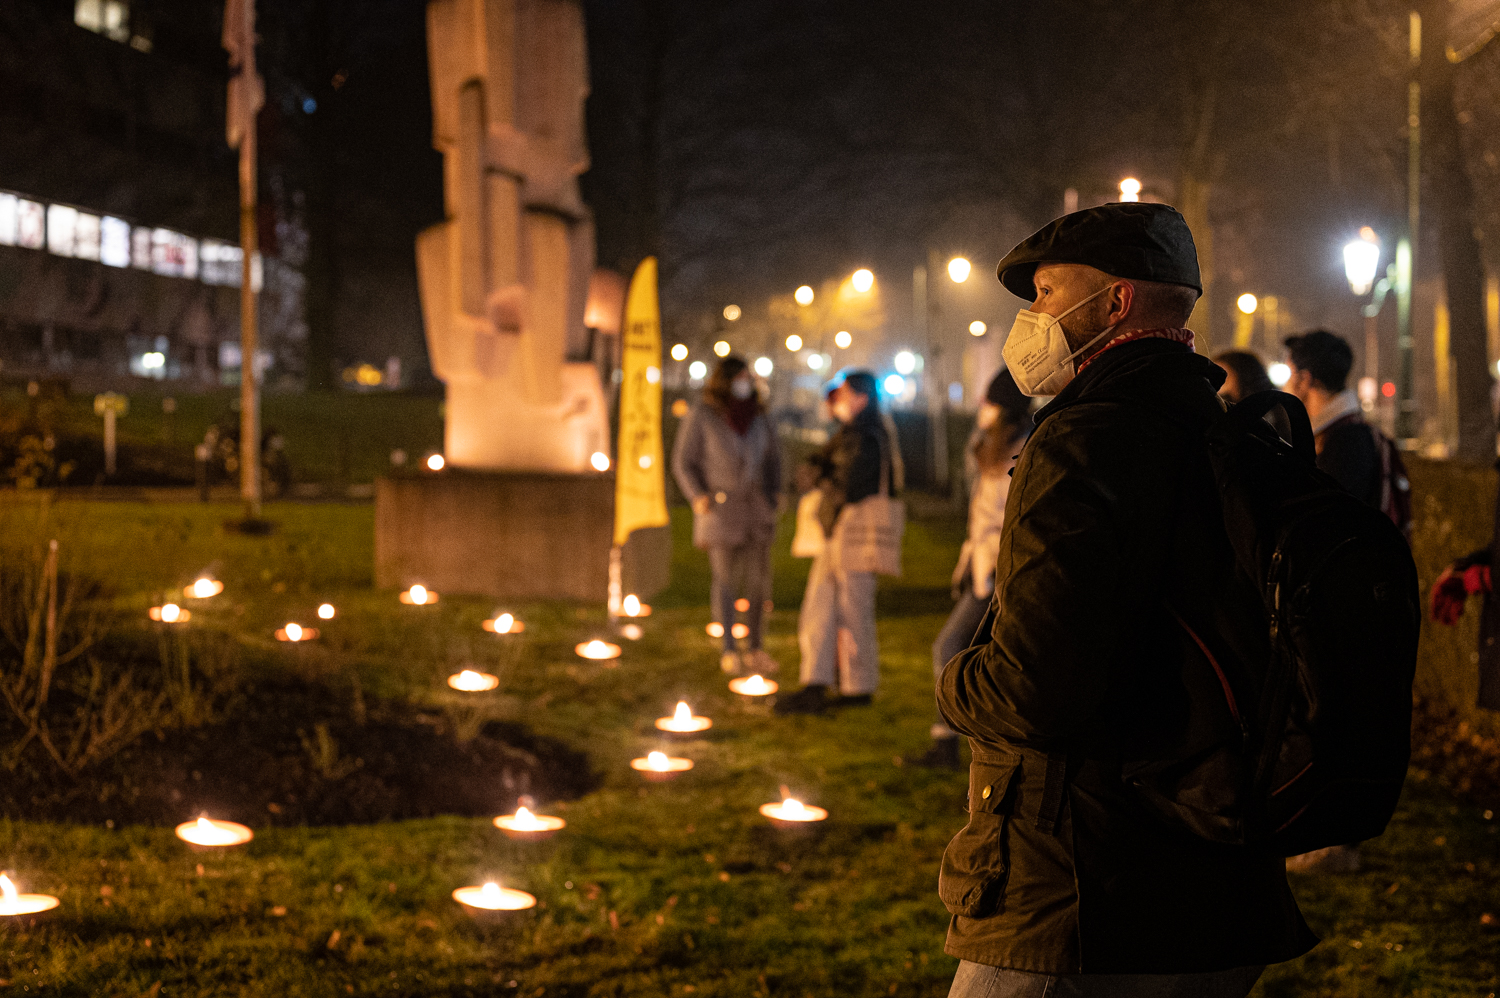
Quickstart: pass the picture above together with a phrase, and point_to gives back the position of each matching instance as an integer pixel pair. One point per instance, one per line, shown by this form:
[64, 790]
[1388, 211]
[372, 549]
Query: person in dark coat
[1244, 375]
[1471, 576]
[1113, 549]
[859, 461]
[727, 462]
[1348, 450]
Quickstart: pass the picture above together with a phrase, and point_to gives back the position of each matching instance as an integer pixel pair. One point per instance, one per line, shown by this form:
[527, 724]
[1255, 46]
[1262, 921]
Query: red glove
[1449, 593]
[1477, 579]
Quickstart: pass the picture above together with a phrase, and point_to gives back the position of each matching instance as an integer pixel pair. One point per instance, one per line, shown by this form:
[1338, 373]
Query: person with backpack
[1093, 683]
[1002, 426]
[855, 476]
[1359, 457]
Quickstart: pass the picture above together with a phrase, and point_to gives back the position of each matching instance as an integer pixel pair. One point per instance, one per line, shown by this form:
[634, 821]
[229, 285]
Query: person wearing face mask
[1001, 427]
[1113, 555]
[727, 462]
[859, 461]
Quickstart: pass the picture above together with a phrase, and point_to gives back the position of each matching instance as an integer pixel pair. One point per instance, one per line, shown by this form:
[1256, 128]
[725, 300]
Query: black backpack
[1328, 741]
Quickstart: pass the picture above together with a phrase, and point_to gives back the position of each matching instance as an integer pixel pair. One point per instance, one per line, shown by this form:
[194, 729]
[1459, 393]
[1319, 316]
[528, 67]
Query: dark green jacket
[1112, 541]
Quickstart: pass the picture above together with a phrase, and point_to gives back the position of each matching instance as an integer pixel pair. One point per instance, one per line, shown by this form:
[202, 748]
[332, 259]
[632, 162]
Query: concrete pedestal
[510, 535]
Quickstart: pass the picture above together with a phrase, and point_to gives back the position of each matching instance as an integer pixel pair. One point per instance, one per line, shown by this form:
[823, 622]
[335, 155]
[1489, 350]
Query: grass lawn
[653, 889]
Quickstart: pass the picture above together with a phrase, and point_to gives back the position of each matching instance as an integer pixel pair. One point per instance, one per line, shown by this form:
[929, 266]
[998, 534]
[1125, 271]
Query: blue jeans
[975, 980]
[957, 634]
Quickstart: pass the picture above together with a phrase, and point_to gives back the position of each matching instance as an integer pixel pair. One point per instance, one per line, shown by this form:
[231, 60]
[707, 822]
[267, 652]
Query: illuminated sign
[173, 254]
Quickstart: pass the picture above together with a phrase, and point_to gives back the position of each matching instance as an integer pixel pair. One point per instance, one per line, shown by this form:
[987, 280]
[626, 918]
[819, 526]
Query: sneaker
[942, 755]
[807, 700]
[757, 660]
[1334, 859]
[730, 664]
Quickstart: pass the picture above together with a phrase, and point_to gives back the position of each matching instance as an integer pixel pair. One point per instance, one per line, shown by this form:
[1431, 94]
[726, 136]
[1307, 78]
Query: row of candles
[212, 834]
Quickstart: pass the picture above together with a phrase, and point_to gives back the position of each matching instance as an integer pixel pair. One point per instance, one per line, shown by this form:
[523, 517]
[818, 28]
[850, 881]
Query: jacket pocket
[976, 863]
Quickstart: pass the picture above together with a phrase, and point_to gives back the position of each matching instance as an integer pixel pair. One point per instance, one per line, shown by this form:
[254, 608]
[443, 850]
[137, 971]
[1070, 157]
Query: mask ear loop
[1103, 333]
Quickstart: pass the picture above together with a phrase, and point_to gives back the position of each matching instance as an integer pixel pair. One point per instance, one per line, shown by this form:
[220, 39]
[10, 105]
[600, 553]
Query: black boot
[942, 755]
[807, 700]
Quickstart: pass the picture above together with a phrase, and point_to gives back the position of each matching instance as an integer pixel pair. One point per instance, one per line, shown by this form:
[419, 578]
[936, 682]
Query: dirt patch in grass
[1446, 746]
[295, 753]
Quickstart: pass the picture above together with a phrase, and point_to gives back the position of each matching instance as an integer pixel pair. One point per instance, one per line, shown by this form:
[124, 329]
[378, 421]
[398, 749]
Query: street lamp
[722, 348]
[906, 362]
[680, 351]
[842, 339]
[1361, 257]
[731, 312]
[862, 280]
[764, 367]
[1247, 303]
[804, 295]
[978, 328]
[794, 343]
[958, 270]
[1130, 189]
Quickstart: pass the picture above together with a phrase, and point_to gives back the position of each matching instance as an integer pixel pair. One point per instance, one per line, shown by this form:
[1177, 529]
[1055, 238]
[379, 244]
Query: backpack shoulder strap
[1256, 406]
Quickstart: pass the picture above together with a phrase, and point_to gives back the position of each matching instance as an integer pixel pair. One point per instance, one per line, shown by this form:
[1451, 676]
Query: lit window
[86, 234]
[140, 248]
[110, 18]
[9, 209]
[62, 222]
[31, 224]
[114, 242]
[173, 254]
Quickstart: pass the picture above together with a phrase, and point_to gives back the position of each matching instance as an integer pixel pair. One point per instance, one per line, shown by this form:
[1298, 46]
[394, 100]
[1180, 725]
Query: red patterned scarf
[1183, 336]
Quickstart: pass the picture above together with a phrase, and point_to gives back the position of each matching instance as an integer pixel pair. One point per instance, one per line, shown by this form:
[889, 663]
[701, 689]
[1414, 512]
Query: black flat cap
[1137, 240]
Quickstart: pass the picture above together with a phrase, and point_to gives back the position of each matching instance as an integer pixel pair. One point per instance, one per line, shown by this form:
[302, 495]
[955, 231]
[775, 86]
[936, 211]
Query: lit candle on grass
[492, 900]
[715, 630]
[419, 596]
[326, 611]
[469, 681]
[526, 826]
[503, 623]
[753, 686]
[14, 903]
[632, 632]
[203, 588]
[740, 631]
[597, 650]
[207, 833]
[296, 632]
[631, 606]
[169, 613]
[792, 813]
[659, 766]
[683, 721]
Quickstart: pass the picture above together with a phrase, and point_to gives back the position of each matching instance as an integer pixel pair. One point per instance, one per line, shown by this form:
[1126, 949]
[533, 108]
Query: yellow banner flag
[640, 484]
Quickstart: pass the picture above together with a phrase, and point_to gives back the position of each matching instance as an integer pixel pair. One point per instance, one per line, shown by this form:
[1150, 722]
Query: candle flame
[595, 648]
[792, 808]
[504, 623]
[715, 630]
[490, 894]
[526, 821]
[204, 825]
[170, 612]
[682, 715]
[293, 633]
[204, 588]
[657, 761]
[326, 611]
[631, 606]
[755, 683]
[418, 594]
[8, 892]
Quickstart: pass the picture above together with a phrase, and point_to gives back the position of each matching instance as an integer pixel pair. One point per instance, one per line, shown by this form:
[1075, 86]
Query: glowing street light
[815, 361]
[722, 348]
[680, 351]
[804, 295]
[958, 270]
[1130, 189]
[697, 370]
[732, 312]
[1247, 303]
[842, 339]
[794, 343]
[599, 460]
[1361, 258]
[862, 280]
[764, 367]
[895, 385]
[435, 462]
[1279, 374]
[977, 328]
[906, 362]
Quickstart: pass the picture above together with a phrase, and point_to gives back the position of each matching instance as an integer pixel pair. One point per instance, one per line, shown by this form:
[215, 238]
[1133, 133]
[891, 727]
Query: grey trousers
[838, 602]
[956, 635]
[740, 571]
[975, 980]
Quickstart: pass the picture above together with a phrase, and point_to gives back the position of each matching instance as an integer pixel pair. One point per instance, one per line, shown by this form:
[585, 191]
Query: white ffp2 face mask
[1036, 351]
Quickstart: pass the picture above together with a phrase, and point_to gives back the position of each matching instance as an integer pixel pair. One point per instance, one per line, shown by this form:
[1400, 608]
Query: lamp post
[1361, 260]
[927, 311]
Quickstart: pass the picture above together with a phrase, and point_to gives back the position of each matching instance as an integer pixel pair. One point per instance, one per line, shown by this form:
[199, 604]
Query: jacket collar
[1156, 373]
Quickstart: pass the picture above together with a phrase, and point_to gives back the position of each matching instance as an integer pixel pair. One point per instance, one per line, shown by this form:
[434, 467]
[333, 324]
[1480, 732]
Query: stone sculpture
[505, 279]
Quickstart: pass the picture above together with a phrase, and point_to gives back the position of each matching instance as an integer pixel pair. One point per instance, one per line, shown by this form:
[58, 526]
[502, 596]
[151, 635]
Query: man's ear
[1120, 300]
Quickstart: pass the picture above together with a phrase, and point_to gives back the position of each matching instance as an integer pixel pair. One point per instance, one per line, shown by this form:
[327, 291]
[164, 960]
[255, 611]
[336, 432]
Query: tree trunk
[1452, 197]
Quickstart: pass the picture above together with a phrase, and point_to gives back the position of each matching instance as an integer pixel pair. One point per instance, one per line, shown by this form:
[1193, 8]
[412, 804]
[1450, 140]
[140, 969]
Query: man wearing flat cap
[1114, 567]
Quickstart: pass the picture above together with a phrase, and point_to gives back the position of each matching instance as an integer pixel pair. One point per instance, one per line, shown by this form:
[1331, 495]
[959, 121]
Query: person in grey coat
[727, 462]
